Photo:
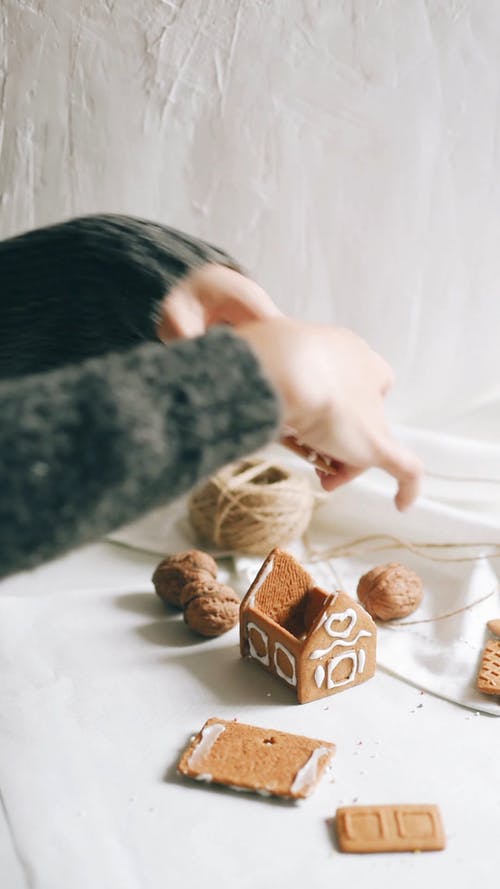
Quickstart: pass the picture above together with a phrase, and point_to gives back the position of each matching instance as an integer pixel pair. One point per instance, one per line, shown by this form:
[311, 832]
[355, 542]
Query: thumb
[182, 316]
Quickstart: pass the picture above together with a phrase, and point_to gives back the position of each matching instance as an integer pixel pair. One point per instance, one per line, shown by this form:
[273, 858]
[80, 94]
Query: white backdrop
[346, 152]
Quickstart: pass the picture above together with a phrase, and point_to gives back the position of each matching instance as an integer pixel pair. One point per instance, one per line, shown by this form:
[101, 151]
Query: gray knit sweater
[99, 422]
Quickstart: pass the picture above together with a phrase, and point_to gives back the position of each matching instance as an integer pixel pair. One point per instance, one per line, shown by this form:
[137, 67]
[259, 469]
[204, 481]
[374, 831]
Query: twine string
[232, 496]
[477, 479]
[349, 548]
[431, 620]
[379, 542]
[252, 506]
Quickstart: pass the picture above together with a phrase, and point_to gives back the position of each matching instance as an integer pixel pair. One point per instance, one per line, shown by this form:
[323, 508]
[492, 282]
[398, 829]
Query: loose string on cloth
[431, 620]
[349, 549]
[372, 543]
[483, 480]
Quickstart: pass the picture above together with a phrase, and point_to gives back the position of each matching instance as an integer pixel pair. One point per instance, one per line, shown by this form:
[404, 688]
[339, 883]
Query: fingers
[384, 372]
[388, 378]
[240, 301]
[213, 295]
[343, 475]
[230, 297]
[182, 316]
[406, 468]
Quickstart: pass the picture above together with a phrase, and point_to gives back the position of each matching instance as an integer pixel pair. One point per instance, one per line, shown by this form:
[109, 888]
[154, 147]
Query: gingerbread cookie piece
[398, 828]
[245, 757]
[319, 461]
[488, 680]
[318, 643]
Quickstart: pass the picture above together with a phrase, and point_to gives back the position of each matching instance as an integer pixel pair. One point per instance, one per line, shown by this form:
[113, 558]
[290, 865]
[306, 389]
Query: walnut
[494, 626]
[390, 591]
[210, 608]
[174, 572]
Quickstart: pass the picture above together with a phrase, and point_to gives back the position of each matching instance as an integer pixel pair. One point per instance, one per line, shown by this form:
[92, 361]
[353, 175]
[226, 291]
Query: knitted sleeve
[88, 286]
[85, 448]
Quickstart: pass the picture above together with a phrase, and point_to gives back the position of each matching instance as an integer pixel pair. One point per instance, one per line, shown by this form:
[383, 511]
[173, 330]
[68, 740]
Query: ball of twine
[251, 506]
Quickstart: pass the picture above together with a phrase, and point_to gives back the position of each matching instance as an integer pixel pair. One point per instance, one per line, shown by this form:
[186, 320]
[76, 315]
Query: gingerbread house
[317, 642]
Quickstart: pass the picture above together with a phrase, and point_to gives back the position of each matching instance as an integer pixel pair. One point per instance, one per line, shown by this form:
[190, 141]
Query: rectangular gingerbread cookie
[245, 757]
[396, 828]
[488, 680]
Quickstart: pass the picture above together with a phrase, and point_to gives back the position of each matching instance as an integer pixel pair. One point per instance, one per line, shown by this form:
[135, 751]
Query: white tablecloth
[100, 689]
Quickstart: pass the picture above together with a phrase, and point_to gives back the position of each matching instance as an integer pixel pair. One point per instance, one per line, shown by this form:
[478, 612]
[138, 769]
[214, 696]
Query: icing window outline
[334, 661]
[263, 658]
[292, 680]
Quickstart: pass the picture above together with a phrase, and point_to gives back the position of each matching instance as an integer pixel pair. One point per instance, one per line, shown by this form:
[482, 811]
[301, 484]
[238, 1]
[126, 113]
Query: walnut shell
[390, 591]
[174, 572]
[210, 608]
[494, 626]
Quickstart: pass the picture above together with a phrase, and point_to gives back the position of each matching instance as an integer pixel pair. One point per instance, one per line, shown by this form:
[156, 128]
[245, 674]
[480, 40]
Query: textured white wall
[347, 152]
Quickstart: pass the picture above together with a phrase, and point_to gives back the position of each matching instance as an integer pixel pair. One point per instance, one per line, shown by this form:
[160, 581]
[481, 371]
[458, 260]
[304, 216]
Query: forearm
[85, 449]
[87, 286]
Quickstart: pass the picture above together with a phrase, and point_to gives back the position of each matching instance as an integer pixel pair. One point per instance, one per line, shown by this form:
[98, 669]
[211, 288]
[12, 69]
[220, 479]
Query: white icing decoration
[319, 675]
[263, 658]
[338, 617]
[207, 778]
[292, 680]
[320, 652]
[260, 583]
[308, 774]
[209, 735]
[361, 660]
[262, 792]
[351, 655]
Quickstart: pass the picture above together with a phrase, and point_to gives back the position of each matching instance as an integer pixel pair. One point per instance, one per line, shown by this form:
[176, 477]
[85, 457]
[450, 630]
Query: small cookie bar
[319, 461]
[488, 680]
[397, 828]
[245, 757]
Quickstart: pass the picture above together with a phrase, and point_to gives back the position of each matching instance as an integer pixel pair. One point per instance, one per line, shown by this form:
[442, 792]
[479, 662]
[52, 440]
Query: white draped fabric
[348, 154]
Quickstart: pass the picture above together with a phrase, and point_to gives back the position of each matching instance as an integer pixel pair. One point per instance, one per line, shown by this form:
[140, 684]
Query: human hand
[213, 294]
[332, 386]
